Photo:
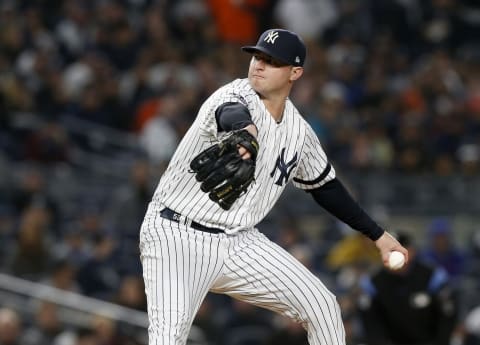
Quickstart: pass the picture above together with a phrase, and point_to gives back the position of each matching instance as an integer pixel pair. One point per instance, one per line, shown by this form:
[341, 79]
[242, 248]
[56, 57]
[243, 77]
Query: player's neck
[275, 108]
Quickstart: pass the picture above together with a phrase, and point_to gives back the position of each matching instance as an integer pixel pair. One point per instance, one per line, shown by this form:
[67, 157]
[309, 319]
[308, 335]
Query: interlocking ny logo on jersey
[284, 168]
[271, 37]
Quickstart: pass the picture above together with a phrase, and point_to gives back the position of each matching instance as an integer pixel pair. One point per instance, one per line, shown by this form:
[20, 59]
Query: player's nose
[258, 63]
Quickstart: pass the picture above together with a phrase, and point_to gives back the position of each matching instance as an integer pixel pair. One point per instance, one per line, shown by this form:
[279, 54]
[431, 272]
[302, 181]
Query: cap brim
[253, 49]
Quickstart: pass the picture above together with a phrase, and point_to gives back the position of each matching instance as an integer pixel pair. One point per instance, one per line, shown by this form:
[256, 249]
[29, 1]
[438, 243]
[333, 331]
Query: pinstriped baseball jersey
[184, 255]
[289, 151]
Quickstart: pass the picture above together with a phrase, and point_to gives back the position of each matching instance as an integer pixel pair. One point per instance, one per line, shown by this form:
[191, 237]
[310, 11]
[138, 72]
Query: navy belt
[177, 217]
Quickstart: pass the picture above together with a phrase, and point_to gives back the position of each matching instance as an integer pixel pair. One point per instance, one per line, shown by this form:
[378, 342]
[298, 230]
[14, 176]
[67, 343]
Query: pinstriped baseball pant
[181, 265]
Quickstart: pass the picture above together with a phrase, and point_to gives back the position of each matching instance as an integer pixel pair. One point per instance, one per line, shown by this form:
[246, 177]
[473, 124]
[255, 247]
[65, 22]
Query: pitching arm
[334, 198]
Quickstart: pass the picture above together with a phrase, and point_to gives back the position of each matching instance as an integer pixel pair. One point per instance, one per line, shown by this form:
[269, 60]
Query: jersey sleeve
[206, 119]
[314, 169]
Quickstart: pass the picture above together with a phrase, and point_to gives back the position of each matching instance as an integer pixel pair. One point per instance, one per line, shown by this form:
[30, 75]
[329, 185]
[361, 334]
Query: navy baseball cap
[283, 45]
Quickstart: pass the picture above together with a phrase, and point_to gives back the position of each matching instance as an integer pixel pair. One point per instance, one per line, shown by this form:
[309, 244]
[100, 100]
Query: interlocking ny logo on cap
[271, 37]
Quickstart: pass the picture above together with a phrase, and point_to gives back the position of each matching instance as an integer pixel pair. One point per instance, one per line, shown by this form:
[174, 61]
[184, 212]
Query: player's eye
[269, 60]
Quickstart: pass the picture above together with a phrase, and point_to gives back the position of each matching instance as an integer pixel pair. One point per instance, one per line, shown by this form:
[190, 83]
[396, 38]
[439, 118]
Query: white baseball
[396, 260]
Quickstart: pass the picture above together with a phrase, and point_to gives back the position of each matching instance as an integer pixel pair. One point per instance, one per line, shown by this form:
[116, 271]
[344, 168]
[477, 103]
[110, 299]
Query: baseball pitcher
[247, 142]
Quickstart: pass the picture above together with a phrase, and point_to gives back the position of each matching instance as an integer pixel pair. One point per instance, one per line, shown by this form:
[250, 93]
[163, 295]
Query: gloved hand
[224, 174]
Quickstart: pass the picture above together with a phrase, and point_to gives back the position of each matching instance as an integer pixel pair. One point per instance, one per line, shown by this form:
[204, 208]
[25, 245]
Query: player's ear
[296, 73]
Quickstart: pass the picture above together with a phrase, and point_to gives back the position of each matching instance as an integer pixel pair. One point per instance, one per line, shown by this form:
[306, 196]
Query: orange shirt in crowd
[237, 20]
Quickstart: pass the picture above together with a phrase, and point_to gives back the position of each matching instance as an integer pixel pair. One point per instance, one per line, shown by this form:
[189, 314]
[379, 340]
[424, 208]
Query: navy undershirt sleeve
[334, 198]
[231, 116]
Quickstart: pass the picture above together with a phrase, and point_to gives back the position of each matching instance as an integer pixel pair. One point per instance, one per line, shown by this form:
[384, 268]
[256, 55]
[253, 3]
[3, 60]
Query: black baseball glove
[224, 175]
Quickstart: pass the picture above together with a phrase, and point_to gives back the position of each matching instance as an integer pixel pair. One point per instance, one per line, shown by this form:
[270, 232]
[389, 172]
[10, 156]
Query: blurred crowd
[391, 85]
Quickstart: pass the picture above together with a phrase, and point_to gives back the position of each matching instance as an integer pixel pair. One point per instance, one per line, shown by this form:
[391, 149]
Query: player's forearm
[334, 198]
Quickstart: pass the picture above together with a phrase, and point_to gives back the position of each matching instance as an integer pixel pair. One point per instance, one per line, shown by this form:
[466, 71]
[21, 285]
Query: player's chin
[257, 83]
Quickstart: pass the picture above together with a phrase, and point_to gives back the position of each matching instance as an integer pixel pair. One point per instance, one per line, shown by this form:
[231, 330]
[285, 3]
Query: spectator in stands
[125, 212]
[17, 100]
[48, 144]
[287, 332]
[209, 320]
[469, 156]
[441, 249]
[32, 190]
[121, 45]
[351, 250]
[131, 293]
[74, 247]
[472, 327]
[238, 21]
[47, 327]
[246, 325]
[63, 276]
[31, 257]
[308, 19]
[98, 277]
[289, 234]
[159, 136]
[10, 327]
[7, 236]
[469, 285]
[106, 331]
[413, 305]
[87, 336]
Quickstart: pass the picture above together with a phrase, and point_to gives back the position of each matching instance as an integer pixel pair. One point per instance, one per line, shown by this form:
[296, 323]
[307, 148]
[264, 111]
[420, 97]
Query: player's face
[269, 76]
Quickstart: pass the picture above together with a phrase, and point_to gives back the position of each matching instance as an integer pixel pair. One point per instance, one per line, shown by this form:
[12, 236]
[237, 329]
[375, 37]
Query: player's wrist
[378, 234]
[252, 129]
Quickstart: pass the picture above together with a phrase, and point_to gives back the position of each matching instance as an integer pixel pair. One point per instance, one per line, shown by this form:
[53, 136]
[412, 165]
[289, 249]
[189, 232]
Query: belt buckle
[176, 217]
